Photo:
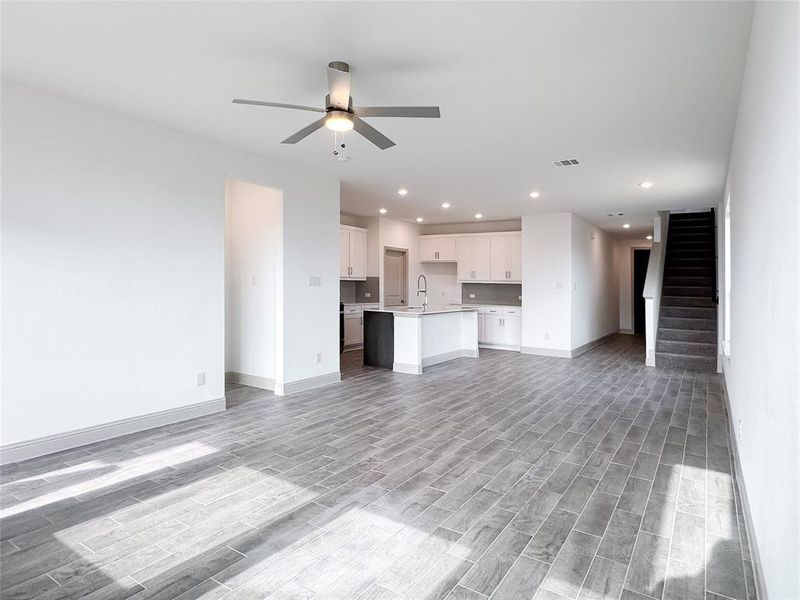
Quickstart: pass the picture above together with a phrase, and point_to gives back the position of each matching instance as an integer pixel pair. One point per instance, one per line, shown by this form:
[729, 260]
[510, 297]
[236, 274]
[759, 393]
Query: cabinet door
[466, 259]
[358, 254]
[344, 253]
[446, 249]
[515, 258]
[482, 266]
[500, 258]
[353, 332]
[492, 330]
[427, 249]
[512, 332]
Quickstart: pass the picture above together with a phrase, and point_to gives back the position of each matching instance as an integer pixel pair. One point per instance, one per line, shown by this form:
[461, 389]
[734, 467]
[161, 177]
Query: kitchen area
[455, 283]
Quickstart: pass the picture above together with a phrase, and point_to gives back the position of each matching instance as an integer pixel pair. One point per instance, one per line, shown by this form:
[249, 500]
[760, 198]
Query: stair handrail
[653, 283]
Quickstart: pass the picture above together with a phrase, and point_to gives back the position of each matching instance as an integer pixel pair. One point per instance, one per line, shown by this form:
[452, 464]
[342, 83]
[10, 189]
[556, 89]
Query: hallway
[509, 476]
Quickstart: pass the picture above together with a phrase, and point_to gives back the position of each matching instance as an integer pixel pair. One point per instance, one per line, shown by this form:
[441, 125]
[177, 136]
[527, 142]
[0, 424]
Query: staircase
[687, 325]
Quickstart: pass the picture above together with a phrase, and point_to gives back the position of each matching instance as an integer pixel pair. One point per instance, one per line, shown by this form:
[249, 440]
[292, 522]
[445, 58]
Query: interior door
[358, 254]
[482, 249]
[344, 253]
[466, 258]
[395, 286]
[641, 257]
[500, 258]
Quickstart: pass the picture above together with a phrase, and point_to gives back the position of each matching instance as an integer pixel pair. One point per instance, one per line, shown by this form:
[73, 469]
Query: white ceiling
[634, 90]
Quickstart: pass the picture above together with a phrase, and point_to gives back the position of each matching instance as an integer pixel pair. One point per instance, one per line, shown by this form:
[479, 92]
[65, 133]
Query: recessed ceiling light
[534, 194]
[646, 185]
[648, 237]
[626, 225]
[383, 211]
[478, 216]
[420, 219]
[445, 205]
[402, 191]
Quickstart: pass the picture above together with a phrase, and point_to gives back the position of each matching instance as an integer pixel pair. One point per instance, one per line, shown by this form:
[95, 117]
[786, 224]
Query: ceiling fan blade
[372, 134]
[339, 84]
[304, 132]
[277, 105]
[424, 112]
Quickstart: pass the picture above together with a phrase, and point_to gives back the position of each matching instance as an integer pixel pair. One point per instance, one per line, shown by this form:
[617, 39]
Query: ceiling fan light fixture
[339, 120]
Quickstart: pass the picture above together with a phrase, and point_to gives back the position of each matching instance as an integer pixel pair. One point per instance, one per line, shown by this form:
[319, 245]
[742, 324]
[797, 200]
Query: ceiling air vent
[569, 162]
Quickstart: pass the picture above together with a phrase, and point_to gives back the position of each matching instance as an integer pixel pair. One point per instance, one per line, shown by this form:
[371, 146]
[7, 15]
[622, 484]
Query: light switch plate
[314, 281]
[367, 295]
[472, 295]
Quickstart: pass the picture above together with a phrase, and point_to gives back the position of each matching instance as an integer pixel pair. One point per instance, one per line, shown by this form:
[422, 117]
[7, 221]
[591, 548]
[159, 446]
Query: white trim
[755, 556]
[302, 385]
[627, 332]
[256, 381]
[97, 433]
[545, 352]
[445, 356]
[575, 352]
[407, 368]
[589, 345]
[499, 347]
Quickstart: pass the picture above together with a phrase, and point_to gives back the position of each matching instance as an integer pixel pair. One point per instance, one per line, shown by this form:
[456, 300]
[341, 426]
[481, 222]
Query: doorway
[395, 277]
[641, 257]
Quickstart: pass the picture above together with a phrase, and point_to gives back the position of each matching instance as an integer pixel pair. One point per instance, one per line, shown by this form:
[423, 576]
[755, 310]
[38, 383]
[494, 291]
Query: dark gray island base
[378, 339]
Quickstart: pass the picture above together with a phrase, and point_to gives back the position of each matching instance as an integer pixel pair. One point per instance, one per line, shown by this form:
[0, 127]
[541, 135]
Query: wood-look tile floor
[507, 476]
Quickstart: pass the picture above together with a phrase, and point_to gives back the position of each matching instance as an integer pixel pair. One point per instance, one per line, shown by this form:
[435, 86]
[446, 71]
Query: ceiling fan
[340, 115]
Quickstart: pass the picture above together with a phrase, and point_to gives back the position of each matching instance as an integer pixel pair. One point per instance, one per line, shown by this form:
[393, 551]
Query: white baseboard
[627, 331]
[256, 381]
[755, 556]
[80, 437]
[445, 356]
[558, 353]
[500, 347]
[407, 368]
[302, 385]
[545, 352]
[594, 343]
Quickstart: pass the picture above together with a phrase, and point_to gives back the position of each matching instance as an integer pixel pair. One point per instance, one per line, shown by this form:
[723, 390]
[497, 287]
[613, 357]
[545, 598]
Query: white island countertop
[418, 311]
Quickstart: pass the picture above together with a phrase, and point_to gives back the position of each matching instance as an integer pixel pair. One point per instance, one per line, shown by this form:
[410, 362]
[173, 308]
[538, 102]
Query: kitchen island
[407, 340]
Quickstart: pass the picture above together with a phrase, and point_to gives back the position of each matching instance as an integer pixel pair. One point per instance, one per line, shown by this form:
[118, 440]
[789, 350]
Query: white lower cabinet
[500, 326]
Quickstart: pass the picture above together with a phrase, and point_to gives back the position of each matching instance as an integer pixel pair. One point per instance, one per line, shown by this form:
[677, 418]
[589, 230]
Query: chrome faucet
[424, 291]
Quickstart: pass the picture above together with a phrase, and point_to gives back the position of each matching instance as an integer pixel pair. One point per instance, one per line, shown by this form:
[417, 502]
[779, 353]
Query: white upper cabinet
[506, 258]
[473, 258]
[437, 249]
[352, 253]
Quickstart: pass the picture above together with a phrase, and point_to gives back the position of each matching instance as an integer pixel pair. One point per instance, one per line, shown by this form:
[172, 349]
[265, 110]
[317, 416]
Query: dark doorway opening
[640, 259]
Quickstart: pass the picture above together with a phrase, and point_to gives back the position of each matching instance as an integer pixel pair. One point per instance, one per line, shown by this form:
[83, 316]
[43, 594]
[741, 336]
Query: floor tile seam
[639, 529]
[676, 511]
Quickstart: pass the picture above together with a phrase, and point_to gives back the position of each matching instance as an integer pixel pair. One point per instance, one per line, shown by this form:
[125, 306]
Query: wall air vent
[569, 162]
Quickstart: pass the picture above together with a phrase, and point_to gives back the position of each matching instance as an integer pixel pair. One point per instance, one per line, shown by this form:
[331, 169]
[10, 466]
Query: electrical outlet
[367, 295]
[547, 336]
[253, 280]
[519, 298]
[201, 378]
[559, 285]
[739, 429]
[314, 281]
[318, 357]
[472, 296]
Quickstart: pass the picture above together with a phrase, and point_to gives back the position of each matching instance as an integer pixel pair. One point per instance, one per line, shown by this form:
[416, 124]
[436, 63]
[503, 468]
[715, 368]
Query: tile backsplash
[356, 291]
[506, 294]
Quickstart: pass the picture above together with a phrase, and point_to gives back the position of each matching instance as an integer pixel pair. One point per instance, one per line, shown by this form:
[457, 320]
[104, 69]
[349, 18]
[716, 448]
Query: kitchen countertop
[418, 312]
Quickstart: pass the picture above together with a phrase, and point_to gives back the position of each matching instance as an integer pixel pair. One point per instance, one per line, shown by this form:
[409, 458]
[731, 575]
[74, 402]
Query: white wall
[113, 260]
[546, 277]
[625, 250]
[762, 372]
[253, 269]
[595, 283]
